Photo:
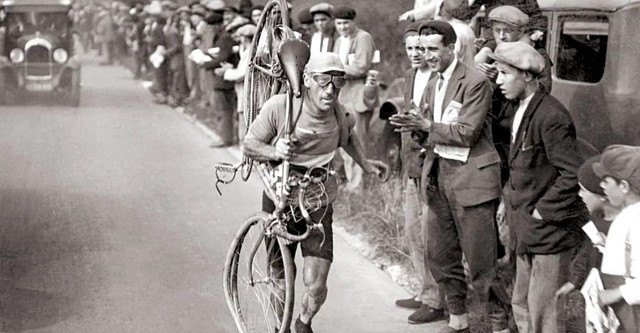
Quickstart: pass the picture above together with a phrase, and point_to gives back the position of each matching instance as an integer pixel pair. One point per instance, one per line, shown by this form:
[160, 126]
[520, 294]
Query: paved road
[109, 222]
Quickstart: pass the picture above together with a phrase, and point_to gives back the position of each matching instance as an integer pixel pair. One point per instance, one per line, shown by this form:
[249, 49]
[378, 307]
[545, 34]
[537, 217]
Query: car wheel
[74, 92]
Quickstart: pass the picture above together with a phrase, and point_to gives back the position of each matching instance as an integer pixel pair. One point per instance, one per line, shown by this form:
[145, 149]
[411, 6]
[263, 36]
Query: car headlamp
[16, 56]
[60, 56]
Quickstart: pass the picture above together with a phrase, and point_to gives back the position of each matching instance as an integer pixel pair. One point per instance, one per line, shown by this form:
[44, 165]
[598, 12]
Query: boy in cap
[508, 24]
[325, 36]
[428, 303]
[355, 47]
[619, 170]
[461, 179]
[322, 115]
[543, 208]
[306, 25]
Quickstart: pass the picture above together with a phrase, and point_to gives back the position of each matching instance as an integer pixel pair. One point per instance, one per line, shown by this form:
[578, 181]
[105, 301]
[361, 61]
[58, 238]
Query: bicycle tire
[258, 86]
[250, 306]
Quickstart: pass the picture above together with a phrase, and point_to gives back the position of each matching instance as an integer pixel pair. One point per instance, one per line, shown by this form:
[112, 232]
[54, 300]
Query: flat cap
[519, 55]
[324, 62]
[621, 162]
[345, 13]
[247, 30]
[323, 7]
[183, 9]
[198, 10]
[588, 178]
[214, 18]
[413, 28]
[304, 17]
[229, 8]
[509, 14]
[215, 5]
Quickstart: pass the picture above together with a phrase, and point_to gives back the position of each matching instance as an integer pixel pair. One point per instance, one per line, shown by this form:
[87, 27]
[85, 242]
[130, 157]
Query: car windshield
[24, 23]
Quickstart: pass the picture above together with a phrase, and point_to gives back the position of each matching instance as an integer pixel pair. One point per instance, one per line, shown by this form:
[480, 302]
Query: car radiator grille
[37, 61]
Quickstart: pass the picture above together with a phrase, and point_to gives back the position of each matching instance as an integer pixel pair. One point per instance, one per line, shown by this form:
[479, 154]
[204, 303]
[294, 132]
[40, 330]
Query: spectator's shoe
[448, 329]
[277, 330]
[301, 327]
[409, 303]
[218, 144]
[426, 314]
[160, 100]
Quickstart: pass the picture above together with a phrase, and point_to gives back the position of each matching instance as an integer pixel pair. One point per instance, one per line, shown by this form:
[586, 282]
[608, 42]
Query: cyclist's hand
[285, 149]
[378, 168]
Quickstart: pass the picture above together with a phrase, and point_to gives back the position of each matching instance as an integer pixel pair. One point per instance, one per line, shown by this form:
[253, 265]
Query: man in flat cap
[322, 127]
[429, 301]
[508, 24]
[461, 178]
[543, 209]
[306, 28]
[221, 94]
[325, 36]
[355, 47]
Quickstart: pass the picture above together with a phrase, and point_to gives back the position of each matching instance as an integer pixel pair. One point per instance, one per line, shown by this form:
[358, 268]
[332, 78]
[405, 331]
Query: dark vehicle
[595, 48]
[36, 50]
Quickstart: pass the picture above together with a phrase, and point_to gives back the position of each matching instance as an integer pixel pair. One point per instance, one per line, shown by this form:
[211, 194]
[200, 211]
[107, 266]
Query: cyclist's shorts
[315, 245]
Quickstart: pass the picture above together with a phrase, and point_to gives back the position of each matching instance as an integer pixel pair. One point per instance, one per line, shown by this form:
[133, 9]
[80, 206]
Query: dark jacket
[478, 179]
[411, 151]
[543, 161]
[174, 52]
[223, 41]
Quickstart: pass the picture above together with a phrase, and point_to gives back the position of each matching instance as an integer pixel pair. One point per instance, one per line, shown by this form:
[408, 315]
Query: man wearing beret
[321, 128]
[542, 205]
[355, 47]
[325, 36]
[221, 95]
[461, 178]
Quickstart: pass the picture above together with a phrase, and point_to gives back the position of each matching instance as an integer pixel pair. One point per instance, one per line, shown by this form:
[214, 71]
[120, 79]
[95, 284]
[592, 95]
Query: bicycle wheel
[258, 85]
[259, 279]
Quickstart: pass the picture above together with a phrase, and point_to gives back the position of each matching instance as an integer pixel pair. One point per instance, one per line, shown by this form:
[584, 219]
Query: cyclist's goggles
[324, 79]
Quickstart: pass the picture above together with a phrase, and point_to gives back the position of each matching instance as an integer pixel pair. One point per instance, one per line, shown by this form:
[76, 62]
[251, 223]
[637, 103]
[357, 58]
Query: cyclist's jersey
[318, 136]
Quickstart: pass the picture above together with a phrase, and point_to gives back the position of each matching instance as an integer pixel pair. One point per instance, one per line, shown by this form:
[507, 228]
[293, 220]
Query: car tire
[4, 91]
[74, 92]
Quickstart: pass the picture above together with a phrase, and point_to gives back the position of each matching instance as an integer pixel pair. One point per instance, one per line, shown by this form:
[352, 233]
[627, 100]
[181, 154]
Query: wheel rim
[258, 306]
[258, 86]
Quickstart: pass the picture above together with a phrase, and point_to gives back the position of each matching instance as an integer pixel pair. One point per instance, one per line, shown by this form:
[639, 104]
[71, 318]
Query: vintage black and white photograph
[327, 166]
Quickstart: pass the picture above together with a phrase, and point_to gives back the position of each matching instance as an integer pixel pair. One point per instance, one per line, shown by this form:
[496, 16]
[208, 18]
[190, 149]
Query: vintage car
[37, 50]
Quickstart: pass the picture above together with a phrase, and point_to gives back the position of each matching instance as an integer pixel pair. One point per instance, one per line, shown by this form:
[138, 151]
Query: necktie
[321, 40]
[440, 81]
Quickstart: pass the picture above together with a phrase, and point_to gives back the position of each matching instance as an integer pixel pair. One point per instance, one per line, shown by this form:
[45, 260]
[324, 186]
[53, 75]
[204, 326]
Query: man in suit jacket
[461, 175]
[221, 96]
[429, 302]
[541, 195]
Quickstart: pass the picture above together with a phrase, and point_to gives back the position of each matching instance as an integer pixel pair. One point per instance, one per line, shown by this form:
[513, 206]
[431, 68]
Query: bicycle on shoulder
[292, 152]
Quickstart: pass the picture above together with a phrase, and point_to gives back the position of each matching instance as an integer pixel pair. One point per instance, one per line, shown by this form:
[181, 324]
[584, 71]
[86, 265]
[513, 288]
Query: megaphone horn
[293, 55]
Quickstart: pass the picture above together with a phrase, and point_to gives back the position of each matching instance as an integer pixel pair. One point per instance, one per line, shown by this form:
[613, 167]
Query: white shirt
[419, 84]
[343, 52]
[320, 43]
[517, 118]
[626, 224]
[448, 115]
[439, 98]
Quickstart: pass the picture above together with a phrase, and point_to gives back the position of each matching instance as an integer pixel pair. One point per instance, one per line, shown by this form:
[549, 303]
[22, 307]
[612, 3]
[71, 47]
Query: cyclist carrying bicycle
[321, 127]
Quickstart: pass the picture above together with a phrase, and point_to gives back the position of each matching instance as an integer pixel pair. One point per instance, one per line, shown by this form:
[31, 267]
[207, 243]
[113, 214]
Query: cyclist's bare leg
[315, 273]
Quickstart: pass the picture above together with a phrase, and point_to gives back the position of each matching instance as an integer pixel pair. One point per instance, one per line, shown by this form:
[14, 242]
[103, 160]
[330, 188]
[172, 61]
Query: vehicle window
[582, 49]
[22, 23]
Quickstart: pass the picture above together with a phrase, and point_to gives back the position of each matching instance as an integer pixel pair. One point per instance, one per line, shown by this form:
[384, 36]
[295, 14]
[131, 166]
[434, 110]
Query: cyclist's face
[322, 22]
[322, 90]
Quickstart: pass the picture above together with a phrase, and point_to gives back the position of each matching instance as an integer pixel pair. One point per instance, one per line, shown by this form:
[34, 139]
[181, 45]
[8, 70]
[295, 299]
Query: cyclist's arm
[258, 150]
[355, 150]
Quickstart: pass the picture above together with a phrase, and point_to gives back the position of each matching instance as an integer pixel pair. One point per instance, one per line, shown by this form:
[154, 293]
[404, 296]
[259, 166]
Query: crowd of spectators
[196, 56]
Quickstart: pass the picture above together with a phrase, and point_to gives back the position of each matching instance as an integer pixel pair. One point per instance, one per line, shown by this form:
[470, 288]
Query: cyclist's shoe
[302, 327]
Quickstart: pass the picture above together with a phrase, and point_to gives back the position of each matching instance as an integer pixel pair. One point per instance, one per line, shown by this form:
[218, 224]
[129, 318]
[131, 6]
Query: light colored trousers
[415, 224]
